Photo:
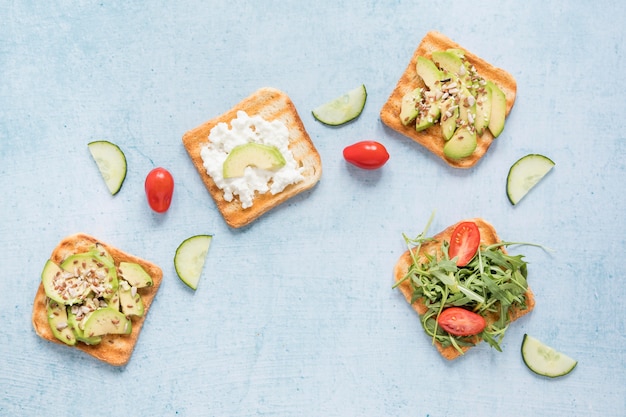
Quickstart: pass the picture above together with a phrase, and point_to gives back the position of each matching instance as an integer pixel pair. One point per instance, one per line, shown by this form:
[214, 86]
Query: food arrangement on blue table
[462, 282]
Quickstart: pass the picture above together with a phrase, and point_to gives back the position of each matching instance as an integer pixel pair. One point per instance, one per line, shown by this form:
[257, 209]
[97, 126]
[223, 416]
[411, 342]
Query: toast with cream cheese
[271, 104]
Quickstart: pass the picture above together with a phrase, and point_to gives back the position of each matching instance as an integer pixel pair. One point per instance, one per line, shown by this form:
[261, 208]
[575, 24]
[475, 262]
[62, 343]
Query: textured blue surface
[295, 314]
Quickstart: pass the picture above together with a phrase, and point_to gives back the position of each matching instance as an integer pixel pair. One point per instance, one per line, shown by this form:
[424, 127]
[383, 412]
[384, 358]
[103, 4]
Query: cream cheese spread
[245, 129]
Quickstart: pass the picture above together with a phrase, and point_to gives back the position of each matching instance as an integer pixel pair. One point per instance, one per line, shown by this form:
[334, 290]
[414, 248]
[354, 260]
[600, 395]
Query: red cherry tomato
[159, 189]
[464, 242]
[461, 322]
[367, 154]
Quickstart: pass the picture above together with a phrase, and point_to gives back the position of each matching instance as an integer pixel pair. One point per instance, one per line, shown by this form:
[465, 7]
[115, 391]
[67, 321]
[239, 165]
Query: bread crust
[115, 350]
[432, 138]
[270, 104]
[488, 236]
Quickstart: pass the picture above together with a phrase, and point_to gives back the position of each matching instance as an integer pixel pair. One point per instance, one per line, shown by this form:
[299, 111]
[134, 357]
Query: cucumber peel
[545, 360]
[190, 257]
[342, 109]
[111, 163]
[525, 174]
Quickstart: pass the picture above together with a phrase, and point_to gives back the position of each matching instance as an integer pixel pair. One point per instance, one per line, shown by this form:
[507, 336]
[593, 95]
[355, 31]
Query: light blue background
[295, 314]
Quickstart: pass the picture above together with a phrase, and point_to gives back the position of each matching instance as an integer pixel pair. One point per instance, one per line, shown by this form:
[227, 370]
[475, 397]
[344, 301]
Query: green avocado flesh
[107, 321]
[135, 275]
[252, 155]
[58, 321]
[409, 107]
[461, 145]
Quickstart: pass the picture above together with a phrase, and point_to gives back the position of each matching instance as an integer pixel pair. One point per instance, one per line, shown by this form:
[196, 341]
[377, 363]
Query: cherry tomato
[367, 154]
[159, 189]
[461, 322]
[464, 242]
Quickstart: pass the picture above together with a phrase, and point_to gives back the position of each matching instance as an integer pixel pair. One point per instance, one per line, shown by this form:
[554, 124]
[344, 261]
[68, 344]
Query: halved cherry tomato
[464, 242]
[159, 189]
[461, 322]
[367, 154]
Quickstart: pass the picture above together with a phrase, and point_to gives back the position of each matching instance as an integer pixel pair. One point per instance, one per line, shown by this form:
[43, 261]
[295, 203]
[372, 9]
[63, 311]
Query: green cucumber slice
[525, 174]
[342, 109]
[190, 257]
[544, 360]
[111, 162]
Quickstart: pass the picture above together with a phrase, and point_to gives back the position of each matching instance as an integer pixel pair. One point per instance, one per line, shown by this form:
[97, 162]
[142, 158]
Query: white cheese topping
[245, 129]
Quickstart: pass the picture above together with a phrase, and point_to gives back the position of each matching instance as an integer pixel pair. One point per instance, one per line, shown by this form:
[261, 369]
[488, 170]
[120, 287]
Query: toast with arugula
[481, 286]
[90, 276]
[270, 104]
[431, 136]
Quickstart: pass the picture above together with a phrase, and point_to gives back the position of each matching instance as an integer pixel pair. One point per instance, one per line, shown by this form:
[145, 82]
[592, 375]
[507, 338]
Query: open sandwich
[95, 298]
[242, 164]
[492, 287]
[450, 101]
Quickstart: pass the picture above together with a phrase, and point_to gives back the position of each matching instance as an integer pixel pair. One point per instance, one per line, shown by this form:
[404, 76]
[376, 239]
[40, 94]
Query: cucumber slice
[342, 109]
[525, 174]
[544, 360]
[111, 163]
[190, 257]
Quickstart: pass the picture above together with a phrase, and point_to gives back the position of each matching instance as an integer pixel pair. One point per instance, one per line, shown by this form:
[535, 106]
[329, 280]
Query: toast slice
[488, 236]
[432, 138]
[271, 104]
[115, 350]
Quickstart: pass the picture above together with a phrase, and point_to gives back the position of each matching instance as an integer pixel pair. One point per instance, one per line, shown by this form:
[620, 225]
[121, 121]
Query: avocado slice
[429, 73]
[449, 115]
[453, 61]
[135, 275]
[100, 253]
[114, 301]
[449, 61]
[462, 144]
[107, 321]
[467, 107]
[57, 319]
[130, 301]
[483, 109]
[429, 114]
[252, 154]
[457, 51]
[498, 109]
[52, 274]
[75, 325]
[410, 105]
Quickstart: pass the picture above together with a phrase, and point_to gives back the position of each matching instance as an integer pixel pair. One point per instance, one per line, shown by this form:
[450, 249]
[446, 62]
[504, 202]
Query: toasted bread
[487, 236]
[113, 349]
[432, 138]
[270, 104]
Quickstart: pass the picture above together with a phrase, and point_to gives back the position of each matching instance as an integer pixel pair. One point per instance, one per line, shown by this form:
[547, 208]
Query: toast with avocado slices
[421, 106]
[479, 287]
[271, 105]
[94, 297]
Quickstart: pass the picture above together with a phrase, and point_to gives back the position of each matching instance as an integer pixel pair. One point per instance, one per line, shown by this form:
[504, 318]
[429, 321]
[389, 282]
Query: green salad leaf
[491, 284]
